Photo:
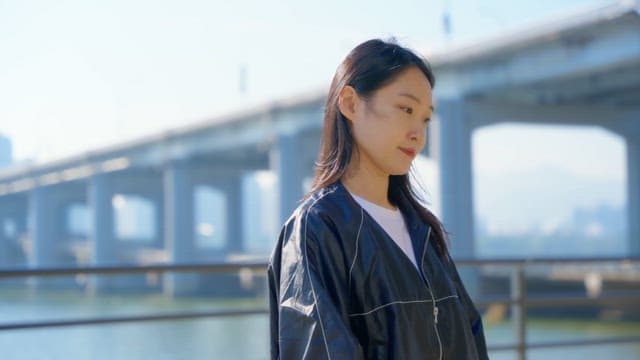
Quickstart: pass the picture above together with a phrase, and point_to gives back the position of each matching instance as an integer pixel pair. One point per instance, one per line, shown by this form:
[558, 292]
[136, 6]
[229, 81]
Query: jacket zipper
[433, 299]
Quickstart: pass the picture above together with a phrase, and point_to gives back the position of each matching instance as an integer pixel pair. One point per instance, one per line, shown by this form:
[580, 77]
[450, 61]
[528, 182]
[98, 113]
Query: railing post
[519, 310]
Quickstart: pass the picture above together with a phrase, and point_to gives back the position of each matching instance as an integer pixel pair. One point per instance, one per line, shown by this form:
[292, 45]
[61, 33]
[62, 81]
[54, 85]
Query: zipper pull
[435, 314]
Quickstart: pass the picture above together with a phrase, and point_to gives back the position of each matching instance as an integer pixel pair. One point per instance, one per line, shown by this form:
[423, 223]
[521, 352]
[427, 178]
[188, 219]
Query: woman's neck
[368, 185]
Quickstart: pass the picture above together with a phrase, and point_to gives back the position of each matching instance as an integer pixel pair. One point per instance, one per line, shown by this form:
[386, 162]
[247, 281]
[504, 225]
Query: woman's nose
[416, 134]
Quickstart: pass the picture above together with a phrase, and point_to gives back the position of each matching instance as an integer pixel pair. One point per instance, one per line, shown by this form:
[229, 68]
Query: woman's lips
[408, 152]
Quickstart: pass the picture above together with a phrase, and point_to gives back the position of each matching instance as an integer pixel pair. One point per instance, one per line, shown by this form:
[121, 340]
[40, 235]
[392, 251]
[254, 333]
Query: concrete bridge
[580, 70]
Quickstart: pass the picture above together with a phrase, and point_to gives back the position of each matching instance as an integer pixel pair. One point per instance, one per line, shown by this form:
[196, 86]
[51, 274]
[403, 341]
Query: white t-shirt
[393, 223]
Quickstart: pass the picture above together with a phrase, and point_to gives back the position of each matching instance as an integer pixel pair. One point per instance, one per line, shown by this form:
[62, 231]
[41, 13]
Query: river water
[244, 337]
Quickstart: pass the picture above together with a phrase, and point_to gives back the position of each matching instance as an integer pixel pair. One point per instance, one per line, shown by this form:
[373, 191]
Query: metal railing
[519, 300]
[133, 269]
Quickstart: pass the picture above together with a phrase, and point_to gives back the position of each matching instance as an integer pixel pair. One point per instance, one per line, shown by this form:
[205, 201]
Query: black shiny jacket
[340, 288]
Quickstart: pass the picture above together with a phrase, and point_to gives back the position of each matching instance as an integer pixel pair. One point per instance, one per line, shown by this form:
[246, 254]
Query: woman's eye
[408, 110]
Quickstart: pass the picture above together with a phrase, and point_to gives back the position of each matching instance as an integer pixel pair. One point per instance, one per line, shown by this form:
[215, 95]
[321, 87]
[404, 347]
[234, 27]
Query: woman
[361, 269]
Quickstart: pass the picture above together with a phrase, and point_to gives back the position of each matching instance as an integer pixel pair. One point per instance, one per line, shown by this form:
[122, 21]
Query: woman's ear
[348, 101]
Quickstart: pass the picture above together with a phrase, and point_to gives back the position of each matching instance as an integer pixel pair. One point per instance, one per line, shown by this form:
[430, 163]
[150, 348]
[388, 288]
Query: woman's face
[390, 126]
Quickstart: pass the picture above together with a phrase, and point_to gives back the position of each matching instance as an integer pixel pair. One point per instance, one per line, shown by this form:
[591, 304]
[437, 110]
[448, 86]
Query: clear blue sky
[79, 74]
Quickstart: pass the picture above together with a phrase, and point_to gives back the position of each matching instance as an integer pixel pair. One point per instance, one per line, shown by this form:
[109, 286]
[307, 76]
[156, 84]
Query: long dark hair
[368, 67]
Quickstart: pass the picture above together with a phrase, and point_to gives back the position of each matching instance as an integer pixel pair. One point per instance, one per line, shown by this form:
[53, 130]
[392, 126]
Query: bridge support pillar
[5, 259]
[158, 204]
[456, 176]
[13, 224]
[44, 236]
[235, 234]
[179, 226]
[456, 184]
[41, 228]
[103, 242]
[633, 195]
[287, 161]
[19, 227]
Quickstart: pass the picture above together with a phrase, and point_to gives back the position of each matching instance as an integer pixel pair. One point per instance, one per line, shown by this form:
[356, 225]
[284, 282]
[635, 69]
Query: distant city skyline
[540, 185]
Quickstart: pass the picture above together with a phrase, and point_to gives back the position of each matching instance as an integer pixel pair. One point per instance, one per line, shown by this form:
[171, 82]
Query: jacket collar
[415, 224]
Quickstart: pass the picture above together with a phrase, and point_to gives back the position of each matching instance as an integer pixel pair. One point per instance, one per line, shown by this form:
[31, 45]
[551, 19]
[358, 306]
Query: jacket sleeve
[308, 295]
[475, 320]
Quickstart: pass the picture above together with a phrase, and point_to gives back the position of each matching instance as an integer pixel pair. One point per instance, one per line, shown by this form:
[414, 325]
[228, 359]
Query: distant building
[5, 151]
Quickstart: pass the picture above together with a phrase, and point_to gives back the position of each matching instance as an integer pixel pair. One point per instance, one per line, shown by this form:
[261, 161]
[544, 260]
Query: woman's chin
[397, 172]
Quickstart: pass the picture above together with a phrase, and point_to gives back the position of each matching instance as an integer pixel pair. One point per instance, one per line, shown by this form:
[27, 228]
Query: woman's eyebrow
[413, 97]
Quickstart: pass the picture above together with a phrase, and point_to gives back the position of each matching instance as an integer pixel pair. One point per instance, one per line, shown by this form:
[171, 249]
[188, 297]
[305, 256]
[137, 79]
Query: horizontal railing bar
[606, 299]
[561, 300]
[544, 261]
[129, 269]
[261, 265]
[567, 343]
[124, 319]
